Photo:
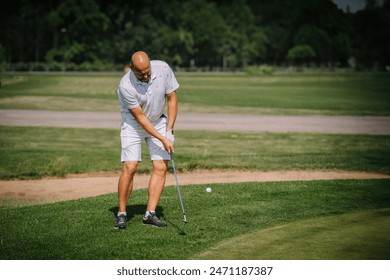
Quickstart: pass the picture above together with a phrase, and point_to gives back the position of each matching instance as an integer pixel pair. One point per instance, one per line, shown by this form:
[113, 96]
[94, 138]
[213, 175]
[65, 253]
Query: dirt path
[88, 185]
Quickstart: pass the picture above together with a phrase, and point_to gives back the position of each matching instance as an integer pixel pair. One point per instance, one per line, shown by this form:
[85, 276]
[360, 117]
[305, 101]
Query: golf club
[178, 189]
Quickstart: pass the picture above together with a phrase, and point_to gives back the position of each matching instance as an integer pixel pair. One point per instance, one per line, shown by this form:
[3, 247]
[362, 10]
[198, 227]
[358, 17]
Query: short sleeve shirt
[151, 95]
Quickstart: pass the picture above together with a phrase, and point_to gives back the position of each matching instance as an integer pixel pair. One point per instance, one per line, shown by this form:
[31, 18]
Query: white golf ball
[208, 189]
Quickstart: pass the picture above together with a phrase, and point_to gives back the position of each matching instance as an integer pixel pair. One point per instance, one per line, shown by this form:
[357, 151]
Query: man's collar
[138, 82]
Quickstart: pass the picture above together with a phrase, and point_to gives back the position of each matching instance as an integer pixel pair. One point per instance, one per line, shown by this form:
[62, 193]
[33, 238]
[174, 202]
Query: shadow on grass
[137, 209]
[179, 228]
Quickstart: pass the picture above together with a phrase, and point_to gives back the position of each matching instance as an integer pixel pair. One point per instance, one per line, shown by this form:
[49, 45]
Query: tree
[370, 44]
[208, 29]
[204, 33]
[244, 42]
[317, 39]
[77, 26]
[2, 62]
[301, 54]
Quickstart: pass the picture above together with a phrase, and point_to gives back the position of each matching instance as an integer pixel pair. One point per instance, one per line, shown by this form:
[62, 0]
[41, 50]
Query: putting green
[363, 235]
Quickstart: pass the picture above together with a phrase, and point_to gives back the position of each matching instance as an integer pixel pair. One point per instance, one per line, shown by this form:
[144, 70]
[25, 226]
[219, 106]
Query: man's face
[142, 75]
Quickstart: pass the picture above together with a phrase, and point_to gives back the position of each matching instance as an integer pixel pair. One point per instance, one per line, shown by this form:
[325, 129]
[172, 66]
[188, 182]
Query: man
[143, 93]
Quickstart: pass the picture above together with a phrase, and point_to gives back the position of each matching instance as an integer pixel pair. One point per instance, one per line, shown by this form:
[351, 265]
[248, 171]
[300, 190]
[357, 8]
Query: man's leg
[125, 183]
[125, 186]
[156, 183]
[159, 159]
[155, 189]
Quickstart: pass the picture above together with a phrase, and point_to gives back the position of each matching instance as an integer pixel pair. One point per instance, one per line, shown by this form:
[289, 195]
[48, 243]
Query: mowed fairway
[330, 219]
[359, 94]
[357, 235]
[304, 94]
[290, 215]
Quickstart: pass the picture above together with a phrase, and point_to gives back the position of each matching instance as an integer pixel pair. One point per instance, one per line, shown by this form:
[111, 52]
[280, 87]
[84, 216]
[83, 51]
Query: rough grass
[34, 152]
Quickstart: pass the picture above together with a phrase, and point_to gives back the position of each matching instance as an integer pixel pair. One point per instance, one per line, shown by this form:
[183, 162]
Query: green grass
[357, 235]
[34, 152]
[232, 213]
[290, 94]
[83, 229]
[66, 92]
[328, 94]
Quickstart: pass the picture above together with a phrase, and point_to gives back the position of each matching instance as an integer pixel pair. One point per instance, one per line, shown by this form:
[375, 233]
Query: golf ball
[208, 189]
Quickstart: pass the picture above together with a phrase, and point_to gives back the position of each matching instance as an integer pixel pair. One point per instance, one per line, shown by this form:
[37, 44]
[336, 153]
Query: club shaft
[178, 189]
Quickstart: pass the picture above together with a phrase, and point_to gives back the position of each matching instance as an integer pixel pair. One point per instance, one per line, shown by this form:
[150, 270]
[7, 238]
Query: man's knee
[130, 167]
[160, 166]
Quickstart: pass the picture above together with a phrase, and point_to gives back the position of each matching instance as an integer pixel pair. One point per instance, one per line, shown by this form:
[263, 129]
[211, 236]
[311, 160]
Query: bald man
[143, 93]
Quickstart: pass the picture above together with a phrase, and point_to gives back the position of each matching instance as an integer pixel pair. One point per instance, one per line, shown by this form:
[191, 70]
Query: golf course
[324, 218]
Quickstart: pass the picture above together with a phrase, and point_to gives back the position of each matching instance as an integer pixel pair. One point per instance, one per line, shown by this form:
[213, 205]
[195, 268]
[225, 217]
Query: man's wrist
[170, 136]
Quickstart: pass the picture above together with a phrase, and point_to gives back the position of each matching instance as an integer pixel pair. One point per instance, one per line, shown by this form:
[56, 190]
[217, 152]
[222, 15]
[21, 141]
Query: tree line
[193, 34]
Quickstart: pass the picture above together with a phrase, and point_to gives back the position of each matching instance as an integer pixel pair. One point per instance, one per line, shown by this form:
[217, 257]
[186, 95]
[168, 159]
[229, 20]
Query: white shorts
[132, 135]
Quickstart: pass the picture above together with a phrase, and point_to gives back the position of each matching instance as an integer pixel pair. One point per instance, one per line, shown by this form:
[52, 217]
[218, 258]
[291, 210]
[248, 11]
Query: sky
[354, 5]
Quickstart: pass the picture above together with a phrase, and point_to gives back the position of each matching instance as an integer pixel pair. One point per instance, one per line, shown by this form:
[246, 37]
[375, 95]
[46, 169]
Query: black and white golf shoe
[153, 220]
[121, 221]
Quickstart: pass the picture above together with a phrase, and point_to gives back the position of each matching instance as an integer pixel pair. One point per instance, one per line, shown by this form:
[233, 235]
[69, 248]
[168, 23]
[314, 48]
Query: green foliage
[312, 42]
[374, 51]
[301, 54]
[260, 70]
[195, 34]
[83, 229]
[76, 19]
[2, 59]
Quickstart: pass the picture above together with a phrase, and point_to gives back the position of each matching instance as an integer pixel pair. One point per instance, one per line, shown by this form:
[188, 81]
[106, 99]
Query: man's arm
[149, 128]
[172, 109]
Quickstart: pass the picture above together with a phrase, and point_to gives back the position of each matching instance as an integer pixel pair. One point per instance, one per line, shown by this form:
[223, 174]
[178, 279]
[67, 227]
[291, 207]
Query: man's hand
[149, 128]
[168, 145]
[169, 135]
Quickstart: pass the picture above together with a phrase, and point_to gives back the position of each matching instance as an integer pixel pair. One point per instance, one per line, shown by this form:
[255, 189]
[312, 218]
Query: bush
[260, 70]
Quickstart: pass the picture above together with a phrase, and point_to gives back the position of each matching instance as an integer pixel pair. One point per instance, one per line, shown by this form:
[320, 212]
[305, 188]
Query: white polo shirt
[151, 95]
